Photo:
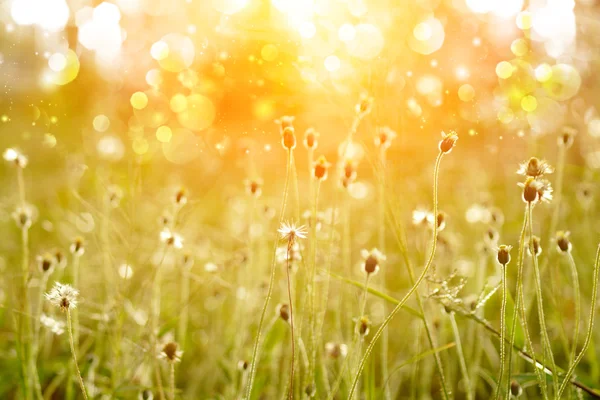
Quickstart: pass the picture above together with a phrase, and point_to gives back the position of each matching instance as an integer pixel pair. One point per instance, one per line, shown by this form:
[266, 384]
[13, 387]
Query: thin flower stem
[312, 285]
[519, 306]
[289, 288]
[590, 329]
[172, 364]
[540, 303]
[381, 245]
[502, 332]
[577, 293]
[72, 344]
[412, 290]
[156, 294]
[461, 357]
[36, 332]
[271, 280]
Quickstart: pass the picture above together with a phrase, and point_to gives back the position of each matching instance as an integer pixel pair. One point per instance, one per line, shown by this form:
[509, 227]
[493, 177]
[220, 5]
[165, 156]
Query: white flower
[55, 326]
[336, 350]
[13, 156]
[63, 296]
[421, 216]
[291, 232]
[372, 259]
[170, 353]
[171, 238]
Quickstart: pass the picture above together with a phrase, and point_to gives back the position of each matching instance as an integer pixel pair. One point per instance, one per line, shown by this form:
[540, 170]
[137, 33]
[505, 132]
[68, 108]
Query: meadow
[330, 199]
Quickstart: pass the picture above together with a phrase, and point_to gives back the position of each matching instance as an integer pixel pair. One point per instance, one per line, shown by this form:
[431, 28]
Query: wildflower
[283, 310]
[187, 260]
[349, 169]
[496, 216]
[336, 350]
[114, 195]
[567, 137]
[311, 139]
[243, 365]
[537, 246]
[562, 241]
[320, 168]
[585, 195]
[23, 216]
[364, 105]
[363, 326]
[290, 232]
[63, 296]
[448, 142]
[504, 254]
[170, 353]
[180, 198]
[60, 259]
[146, 395]
[55, 326]
[440, 220]
[535, 190]
[491, 236]
[16, 157]
[171, 238]
[384, 136]
[421, 216]
[46, 263]
[288, 136]
[253, 187]
[534, 168]
[515, 388]
[77, 247]
[372, 259]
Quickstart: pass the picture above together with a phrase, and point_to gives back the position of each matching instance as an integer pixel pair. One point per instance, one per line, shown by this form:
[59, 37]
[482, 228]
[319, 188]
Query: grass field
[330, 199]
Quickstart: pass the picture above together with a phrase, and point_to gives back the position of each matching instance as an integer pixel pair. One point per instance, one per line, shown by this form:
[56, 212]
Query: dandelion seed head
[63, 296]
[290, 232]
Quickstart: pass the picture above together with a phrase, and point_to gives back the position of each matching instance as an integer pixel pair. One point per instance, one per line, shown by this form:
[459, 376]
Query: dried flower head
[363, 326]
[311, 138]
[77, 247]
[171, 238]
[537, 246]
[53, 325]
[535, 168]
[288, 135]
[421, 216]
[562, 241]
[171, 353]
[114, 195]
[504, 254]
[59, 257]
[23, 216]
[515, 389]
[384, 137]
[371, 261]
[63, 296]
[567, 137]
[448, 142]
[180, 198]
[536, 190]
[146, 395]
[290, 232]
[283, 310]
[364, 106]
[336, 350]
[320, 168]
[253, 187]
[46, 263]
[15, 157]
[243, 365]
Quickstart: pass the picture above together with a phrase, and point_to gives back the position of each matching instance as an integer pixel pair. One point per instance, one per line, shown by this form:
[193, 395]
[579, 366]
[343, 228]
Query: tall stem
[590, 329]
[461, 357]
[502, 332]
[271, 280]
[576, 291]
[72, 344]
[172, 365]
[388, 319]
[289, 288]
[312, 286]
[381, 245]
[540, 303]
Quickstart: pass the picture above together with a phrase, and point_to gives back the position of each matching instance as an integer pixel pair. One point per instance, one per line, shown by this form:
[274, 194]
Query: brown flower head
[311, 138]
[448, 142]
[536, 190]
[321, 168]
[504, 254]
[563, 243]
[384, 137]
[535, 168]
[171, 353]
